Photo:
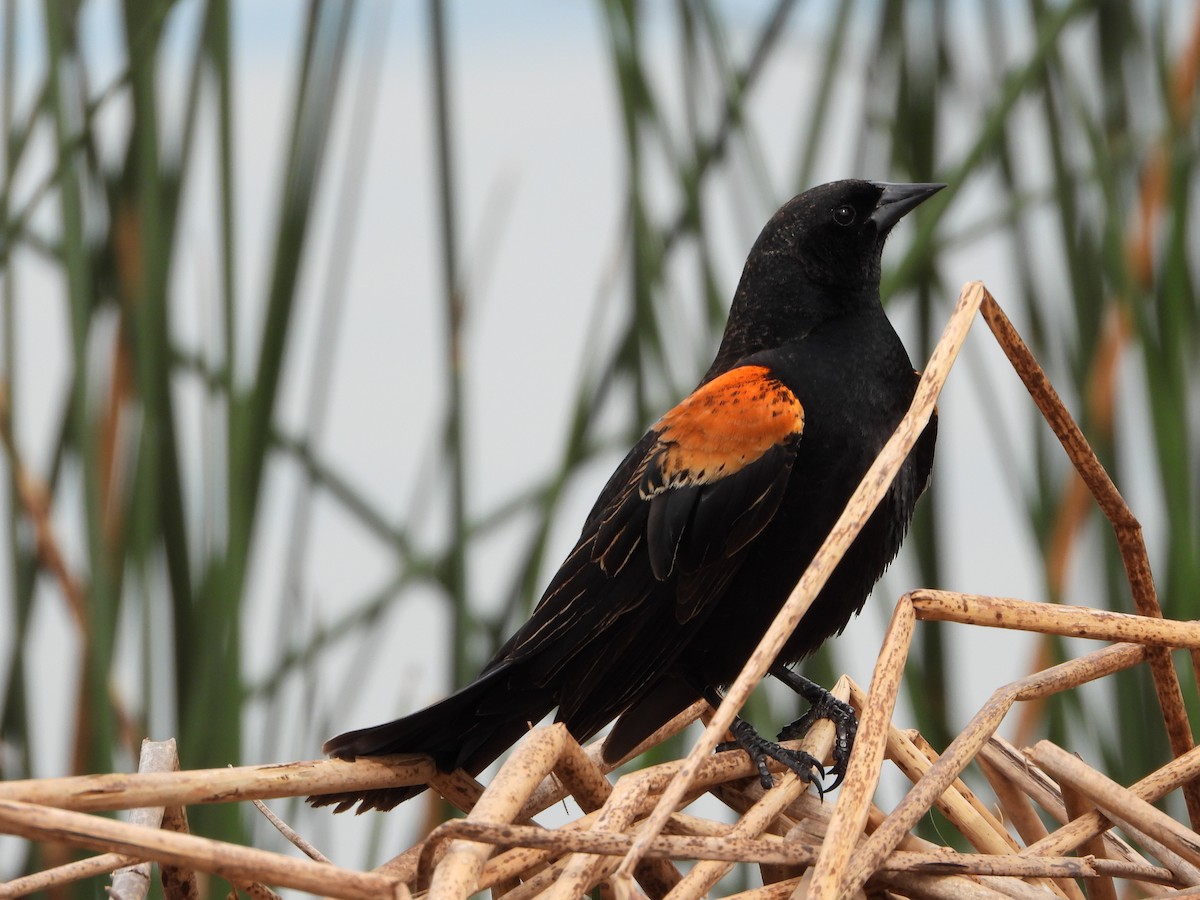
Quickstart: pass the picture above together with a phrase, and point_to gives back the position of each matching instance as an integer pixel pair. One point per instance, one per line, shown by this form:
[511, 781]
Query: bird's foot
[823, 705]
[759, 749]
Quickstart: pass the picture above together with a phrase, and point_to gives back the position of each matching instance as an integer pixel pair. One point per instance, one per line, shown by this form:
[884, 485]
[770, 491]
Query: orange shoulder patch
[722, 428]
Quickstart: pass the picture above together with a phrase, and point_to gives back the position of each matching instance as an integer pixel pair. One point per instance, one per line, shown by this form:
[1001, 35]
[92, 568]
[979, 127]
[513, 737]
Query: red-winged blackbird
[705, 527]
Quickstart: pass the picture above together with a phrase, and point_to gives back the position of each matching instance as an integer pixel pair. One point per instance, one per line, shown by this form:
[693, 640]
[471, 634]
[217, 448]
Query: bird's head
[819, 255]
[833, 234]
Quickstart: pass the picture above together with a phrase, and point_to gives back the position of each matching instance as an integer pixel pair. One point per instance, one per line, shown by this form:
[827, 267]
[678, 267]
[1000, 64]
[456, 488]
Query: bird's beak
[899, 199]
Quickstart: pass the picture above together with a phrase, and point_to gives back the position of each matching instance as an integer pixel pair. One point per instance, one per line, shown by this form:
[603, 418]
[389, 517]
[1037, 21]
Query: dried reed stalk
[105, 793]
[132, 881]
[1125, 526]
[238, 864]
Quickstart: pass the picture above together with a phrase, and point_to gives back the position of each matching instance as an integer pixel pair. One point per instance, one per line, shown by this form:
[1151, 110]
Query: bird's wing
[710, 476]
[699, 486]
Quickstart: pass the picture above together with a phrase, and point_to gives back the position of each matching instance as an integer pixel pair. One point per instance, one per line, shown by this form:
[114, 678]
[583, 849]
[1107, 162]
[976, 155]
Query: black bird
[699, 536]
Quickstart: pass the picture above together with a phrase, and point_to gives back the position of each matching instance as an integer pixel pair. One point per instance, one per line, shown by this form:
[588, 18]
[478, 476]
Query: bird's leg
[758, 748]
[823, 705]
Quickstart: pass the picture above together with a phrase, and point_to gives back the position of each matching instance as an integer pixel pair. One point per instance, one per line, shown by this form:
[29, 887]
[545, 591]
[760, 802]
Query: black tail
[468, 730]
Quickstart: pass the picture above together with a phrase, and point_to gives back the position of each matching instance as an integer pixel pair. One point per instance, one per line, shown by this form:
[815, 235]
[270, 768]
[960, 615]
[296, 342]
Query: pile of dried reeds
[633, 830]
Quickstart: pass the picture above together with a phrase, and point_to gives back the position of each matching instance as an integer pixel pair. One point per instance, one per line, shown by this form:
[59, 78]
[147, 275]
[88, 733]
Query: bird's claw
[759, 749]
[824, 706]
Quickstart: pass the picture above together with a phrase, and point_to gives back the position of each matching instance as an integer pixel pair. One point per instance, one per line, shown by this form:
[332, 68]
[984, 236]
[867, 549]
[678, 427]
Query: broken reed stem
[60, 876]
[133, 880]
[640, 788]
[230, 861]
[1126, 527]
[914, 757]
[977, 824]
[1116, 801]
[863, 502]
[756, 820]
[459, 788]
[534, 758]
[717, 769]
[1178, 772]
[1019, 810]
[760, 850]
[581, 777]
[965, 746]
[552, 790]
[105, 793]
[1077, 805]
[853, 806]
[1037, 786]
[580, 869]
[1054, 618]
[131, 874]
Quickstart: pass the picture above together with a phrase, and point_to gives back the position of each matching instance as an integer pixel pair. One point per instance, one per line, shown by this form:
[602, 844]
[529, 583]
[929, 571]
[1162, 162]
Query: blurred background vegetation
[144, 453]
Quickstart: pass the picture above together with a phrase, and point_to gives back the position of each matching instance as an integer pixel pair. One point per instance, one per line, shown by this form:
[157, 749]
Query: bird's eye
[844, 215]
